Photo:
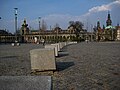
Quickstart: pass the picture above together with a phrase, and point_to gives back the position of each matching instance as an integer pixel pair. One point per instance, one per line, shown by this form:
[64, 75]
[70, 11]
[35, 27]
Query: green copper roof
[110, 27]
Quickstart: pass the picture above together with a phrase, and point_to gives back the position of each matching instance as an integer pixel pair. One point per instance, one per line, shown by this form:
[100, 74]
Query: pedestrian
[43, 42]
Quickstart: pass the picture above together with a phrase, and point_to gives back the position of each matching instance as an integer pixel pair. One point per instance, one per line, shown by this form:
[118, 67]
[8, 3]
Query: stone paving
[25, 82]
[82, 66]
[89, 66]
[15, 60]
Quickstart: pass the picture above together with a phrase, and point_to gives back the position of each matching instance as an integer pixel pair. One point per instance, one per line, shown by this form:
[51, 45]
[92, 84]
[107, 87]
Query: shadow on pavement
[64, 65]
[9, 57]
[62, 54]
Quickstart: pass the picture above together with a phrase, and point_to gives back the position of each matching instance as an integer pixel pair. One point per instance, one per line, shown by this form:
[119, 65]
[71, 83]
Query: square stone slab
[25, 82]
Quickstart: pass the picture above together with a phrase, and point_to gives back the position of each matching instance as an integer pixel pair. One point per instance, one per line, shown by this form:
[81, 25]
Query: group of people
[41, 41]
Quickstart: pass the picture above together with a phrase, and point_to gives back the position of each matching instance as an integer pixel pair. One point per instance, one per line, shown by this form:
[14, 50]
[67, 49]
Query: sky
[58, 11]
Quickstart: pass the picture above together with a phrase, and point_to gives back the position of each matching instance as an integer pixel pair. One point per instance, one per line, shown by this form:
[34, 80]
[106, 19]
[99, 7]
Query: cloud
[105, 7]
[93, 14]
[99, 8]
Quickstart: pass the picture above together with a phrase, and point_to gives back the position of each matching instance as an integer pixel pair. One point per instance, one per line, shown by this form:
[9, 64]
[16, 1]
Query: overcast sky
[58, 11]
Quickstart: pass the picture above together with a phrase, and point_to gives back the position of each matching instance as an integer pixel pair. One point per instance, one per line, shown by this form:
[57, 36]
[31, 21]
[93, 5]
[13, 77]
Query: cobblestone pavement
[82, 66]
[15, 61]
[89, 66]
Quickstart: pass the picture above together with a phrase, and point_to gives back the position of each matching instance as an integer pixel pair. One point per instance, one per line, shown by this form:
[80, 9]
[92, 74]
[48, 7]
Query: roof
[109, 27]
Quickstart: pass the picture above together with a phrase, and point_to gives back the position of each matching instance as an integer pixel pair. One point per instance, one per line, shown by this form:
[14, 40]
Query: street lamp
[15, 12]
[91, 31]
[0, 39]
[39, 18]
[0, 18]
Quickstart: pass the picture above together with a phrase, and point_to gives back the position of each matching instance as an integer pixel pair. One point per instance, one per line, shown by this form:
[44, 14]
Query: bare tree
[44, 26]
[78, 27]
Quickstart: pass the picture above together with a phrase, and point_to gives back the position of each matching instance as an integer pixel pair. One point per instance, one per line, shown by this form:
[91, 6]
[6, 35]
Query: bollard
[43, 59]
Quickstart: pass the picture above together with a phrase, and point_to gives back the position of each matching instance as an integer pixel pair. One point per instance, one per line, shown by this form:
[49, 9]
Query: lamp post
[39, 18]
[91, 32]
[0, 18]
[15, 12]
[0, 38]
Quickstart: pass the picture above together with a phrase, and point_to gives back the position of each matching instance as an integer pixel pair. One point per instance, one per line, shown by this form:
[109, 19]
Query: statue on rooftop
[24, 29]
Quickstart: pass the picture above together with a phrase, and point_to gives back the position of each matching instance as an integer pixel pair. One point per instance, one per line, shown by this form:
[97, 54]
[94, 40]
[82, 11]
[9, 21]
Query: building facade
[118, 32]
[108, 33]
[72, 33]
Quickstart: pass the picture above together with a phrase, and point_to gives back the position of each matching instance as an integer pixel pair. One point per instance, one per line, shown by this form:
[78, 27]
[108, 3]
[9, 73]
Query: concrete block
[25, 83]
[72, 42]
[69, 43]
[58, 46]
[54, 47]
[63, 44]
[43, 59]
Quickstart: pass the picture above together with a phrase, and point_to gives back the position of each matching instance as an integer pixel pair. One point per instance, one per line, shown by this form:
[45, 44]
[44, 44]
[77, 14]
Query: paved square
[25, 82]
[82, 66]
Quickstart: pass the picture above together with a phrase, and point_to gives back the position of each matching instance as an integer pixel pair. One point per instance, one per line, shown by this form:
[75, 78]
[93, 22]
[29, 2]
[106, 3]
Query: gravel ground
[89, 66]
[15, 61]
[82, 66]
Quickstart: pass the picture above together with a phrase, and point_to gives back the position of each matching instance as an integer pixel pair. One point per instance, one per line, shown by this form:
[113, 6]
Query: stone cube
[54, 47]
[43, 59]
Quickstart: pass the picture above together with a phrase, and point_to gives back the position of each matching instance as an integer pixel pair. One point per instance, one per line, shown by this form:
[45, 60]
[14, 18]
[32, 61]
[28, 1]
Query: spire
[118, 24]
[108, 14]
[24, 21]
[109, 21]
[103, 27]
[98, 23]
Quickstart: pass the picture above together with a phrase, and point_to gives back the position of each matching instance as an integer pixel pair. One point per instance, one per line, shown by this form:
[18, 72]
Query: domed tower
[108, 21]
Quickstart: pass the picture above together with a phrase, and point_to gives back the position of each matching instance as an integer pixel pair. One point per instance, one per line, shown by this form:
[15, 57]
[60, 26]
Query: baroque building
[118, 32]
[108, 33]
[54, 35]
[74, 32]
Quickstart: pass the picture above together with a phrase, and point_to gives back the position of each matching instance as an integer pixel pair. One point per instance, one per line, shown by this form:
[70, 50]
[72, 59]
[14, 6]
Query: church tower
[108, 21]
[98, 33]
[98, 24]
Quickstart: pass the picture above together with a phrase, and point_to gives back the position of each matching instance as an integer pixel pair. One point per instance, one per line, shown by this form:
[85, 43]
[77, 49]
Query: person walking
[43, 42]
